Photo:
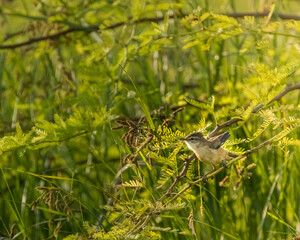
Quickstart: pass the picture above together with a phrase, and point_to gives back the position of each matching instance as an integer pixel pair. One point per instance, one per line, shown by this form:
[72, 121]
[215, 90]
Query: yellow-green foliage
[97, 95]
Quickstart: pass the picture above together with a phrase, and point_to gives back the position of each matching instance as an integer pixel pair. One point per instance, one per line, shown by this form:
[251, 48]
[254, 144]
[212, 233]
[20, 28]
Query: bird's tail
[224, 136]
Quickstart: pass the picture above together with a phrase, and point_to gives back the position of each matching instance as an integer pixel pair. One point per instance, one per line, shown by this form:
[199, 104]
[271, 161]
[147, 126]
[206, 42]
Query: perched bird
[209, 151]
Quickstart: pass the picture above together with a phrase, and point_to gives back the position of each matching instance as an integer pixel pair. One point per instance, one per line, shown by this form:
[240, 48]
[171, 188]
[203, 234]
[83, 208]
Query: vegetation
[95, 96]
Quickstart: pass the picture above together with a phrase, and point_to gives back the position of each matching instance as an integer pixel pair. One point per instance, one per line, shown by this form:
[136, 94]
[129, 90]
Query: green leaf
[199, 104]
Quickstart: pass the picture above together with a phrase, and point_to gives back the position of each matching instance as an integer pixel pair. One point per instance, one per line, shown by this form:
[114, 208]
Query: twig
[254, 110]
[11, 35]
[95, 27]
[91, 28]
[284, 92]
[133, 156]
[262, 14]
[39, 39]
[224, 125]
[179, 177]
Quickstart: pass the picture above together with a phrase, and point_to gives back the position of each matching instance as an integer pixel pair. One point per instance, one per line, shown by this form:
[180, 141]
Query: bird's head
[193, 140]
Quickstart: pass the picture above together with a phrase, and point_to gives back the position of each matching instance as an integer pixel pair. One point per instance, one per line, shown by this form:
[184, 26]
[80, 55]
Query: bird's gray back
[218, 141]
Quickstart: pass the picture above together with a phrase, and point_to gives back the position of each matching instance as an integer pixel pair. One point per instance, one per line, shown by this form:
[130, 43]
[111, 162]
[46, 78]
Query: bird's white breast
[191, 146]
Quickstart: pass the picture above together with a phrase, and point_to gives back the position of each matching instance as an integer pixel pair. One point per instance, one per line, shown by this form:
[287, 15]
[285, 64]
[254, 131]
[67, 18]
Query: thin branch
[262, 14]
[91, 28]
[224, 125]
[48, 37]
[94, 28]
[284, 92]
[256, 109]
[133, 156]
[11, 35]
[179, 177]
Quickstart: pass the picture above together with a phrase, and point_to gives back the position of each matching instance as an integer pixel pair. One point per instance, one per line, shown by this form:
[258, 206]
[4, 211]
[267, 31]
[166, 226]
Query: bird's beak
[182, 139]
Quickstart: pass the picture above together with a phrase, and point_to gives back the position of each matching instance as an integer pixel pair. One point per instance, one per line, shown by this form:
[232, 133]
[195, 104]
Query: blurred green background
[95, 80]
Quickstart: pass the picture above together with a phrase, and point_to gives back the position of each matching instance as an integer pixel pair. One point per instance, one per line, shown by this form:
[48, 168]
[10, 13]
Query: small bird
[209, 151]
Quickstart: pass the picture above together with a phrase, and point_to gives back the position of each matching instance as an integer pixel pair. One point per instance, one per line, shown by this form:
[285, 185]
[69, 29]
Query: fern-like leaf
[132, 183]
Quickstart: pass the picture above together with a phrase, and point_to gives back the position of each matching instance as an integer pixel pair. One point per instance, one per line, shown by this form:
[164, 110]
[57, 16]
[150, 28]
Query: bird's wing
[218, 141]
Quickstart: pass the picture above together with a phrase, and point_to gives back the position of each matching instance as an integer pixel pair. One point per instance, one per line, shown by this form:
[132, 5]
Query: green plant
[96, 95]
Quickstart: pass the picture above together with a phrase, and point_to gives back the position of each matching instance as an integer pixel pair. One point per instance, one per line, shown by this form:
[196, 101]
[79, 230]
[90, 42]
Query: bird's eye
[192, 138]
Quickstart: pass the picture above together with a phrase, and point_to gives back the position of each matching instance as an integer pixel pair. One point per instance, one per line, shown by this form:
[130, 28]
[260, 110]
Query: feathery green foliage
[97, 95]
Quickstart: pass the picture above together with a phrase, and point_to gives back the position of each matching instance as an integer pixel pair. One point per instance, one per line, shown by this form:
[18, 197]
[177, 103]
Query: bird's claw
[224, 165]
[204, 178]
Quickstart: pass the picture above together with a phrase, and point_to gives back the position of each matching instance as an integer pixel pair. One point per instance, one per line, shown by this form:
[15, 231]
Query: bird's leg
[223, 164]
[204, 178]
